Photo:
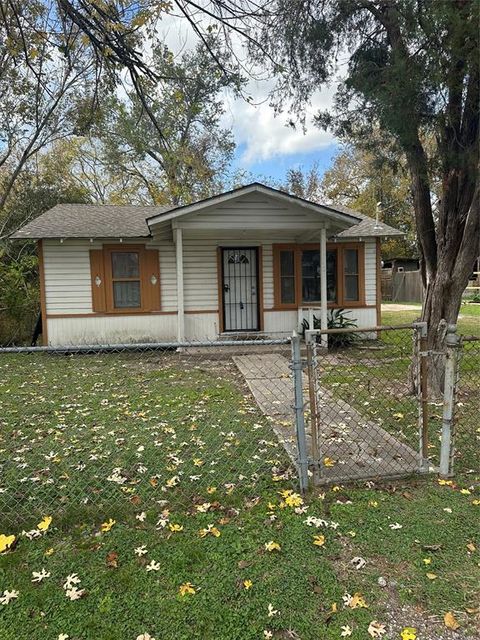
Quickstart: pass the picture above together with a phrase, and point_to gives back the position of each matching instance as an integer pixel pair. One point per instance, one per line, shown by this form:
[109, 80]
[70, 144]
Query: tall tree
[412, 73]
[190, 160]
[365, 182]
[48, 87]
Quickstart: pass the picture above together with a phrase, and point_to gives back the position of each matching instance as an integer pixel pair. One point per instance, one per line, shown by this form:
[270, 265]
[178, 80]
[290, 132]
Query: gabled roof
[131, 221]
[341, 217]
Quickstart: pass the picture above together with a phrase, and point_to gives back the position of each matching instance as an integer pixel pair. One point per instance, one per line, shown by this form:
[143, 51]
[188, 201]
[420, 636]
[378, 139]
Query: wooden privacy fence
[402, 286]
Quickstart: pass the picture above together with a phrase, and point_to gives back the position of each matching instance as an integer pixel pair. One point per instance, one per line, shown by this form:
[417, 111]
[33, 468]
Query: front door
[240, 289]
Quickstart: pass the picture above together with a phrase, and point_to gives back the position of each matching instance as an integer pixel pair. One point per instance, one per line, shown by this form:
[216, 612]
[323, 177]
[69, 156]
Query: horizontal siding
[67, 275]
[255, 212]
[200, 278]
[370, 272]
[112, 329]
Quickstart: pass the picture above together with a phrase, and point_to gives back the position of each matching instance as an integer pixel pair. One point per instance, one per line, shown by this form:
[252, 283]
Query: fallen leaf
[431, 576]
[471, 547]
[44, 523]
[6, 542]
[450, 621]
[409, 633]
[112, 559]
[376, 629]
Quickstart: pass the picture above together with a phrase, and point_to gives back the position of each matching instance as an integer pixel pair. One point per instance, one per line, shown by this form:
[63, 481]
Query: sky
[265, 145]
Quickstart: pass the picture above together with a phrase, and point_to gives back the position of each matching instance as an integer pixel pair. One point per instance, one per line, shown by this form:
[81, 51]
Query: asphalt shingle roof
[367, 228]
[91, 221]
[130, 221]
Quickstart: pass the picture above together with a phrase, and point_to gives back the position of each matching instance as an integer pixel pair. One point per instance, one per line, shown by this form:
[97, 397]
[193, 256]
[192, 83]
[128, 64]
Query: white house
[253, 259]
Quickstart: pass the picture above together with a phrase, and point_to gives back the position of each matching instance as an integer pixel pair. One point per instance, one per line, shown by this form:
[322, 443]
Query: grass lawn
[176, 452]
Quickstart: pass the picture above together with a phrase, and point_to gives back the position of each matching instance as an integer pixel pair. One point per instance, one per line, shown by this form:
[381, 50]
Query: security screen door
[240, 289]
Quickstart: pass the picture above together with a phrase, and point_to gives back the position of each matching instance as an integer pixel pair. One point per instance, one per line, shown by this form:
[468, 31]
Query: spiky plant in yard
[336, 319]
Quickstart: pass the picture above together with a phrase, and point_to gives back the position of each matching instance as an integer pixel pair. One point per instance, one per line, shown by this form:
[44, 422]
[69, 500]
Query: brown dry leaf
[135, 500]
[432, 576]
[450, 621]
[472, 612]
[243, 564]
[471, 547]
[112, 559]
[153, 482]
[431, 547]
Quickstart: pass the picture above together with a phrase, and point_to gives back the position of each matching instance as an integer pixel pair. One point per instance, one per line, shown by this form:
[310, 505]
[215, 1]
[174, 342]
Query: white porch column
[323, 285]
[177, 235]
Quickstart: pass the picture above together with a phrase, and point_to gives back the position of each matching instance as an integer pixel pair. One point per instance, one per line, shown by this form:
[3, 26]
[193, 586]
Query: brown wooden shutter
[152, 272]
[97, 277]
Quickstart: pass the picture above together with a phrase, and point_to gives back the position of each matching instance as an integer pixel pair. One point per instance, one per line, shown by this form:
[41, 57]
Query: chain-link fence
[134, 427]
[466, 433]
[86, 429]
[366, 417]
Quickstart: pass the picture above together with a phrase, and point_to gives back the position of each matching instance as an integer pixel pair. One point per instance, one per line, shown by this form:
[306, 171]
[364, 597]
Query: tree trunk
[440, 308]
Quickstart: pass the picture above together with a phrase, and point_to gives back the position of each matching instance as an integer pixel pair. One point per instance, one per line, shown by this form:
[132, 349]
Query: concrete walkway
[358, 447]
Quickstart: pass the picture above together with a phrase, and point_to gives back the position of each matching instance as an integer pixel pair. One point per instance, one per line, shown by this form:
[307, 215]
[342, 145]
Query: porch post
[323, 285]
[177, 234]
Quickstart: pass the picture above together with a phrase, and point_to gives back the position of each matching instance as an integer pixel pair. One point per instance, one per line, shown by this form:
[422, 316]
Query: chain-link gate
[461, 405]
[366, 399]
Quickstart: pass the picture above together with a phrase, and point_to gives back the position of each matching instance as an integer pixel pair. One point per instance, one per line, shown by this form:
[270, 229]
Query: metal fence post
[299, 407]
[452, 342]
[421, 347]
[312, 392]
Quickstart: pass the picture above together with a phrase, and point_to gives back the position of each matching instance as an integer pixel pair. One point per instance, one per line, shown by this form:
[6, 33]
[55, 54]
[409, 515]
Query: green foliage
[360, 178]
[336, 319]
[19, 295]
[172, 151]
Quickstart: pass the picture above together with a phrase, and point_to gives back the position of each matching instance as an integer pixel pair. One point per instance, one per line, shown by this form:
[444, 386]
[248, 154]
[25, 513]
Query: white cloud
[266, 135]
[263, 134]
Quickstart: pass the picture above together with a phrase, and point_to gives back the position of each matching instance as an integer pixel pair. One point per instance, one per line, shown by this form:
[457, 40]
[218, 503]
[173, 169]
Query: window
[351, 274]
[287, 277]
[298, 279]
[125, 279]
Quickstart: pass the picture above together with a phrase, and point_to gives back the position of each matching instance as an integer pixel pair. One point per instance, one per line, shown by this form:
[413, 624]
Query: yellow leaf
[465, 492]
[409, 633]
[431, 576]
[328, 462]
[187, 588]
[44, 523]
[450, 621]
[248, 584]
[6, 542]
[272, 546]
[106, 526]
[358, 602]
[175, 528]
[471, 547]
[319, 541]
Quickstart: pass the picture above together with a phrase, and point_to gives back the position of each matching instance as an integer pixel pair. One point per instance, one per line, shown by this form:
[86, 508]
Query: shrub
[336, 319]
